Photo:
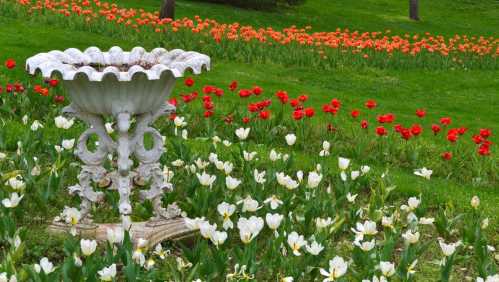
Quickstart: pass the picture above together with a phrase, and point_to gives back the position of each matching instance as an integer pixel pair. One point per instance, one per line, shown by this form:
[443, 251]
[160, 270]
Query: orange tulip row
[345, 40]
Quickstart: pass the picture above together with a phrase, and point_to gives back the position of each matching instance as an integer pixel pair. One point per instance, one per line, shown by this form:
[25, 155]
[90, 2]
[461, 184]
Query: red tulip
[233, 85]
[420, 113]
[435, 128]
[294, 102]
[363, 124]
[462, 130]
[447, 155]
[335, 103]
[355, 113]
[303, 98]
[244, 93]
[208, 114]
[477, 139]
[246, 119]
[406, 133]
[298, 114]
[53, 82]
[189, 82]
[452, 137]
[10, 63]
[208, 89]
[484, 150]
[370, 104]
[264, 114]
[173, 101]
[283, 96]
[416, 129]
[485, 132]
[59, 99]
[9, 88]
[309, 112]
[257, 90]
[380, 130]
[445, 120]
[219, 92]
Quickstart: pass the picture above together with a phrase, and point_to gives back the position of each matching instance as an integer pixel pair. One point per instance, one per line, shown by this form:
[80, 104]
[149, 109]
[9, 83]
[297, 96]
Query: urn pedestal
[131, 88]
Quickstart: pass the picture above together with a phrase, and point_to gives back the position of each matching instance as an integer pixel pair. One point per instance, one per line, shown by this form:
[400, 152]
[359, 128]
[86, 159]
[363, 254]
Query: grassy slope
[469, 97]
[444, 17]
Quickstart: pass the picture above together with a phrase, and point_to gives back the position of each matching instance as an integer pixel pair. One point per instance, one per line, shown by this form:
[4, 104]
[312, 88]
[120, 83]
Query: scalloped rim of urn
[96, 65]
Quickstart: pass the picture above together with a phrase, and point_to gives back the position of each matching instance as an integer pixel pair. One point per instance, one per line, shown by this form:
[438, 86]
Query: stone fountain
[131, 88]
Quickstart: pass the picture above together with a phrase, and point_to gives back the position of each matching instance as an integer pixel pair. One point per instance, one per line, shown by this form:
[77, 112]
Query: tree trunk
[414, 10]
[167, 9]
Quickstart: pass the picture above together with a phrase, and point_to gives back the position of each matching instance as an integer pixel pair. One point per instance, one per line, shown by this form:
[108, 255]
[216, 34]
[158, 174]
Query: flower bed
[292, 46]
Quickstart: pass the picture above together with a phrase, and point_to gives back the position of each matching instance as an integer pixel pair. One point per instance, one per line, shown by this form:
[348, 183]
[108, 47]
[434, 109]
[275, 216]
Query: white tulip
[475, 202]
[259, 176]
[296, 241]
[226, 143]
[290, 139]
[68, 144]
[367, 228]
[178, 163]
[323, 222]
[387, 268]
[274, 202]
[16, 183]
[343, 163]
[201, 164]
[3, 156]
[423, 172]
[410, 237]
[184, 134]
[249, 156]
[314, 248]
[299, 176]
[206, 179]
[426, 220]
[58, 148]
[36, 125]
[63, 123]
[242, 133]
[249, 204]
[226, 210]
[25, 119]
[213, 158]
[273, 220]
[314, 179]
[107, 273]
[46, 265]
[194, 223]
[366, 246]
[354, 174]
[71, 215]
[324, 153]
[206, 229]
[337, 268]
[160, 252]
[326, 146]
[351, 198]
[5, 278]
[228, 167]
[249, 228]
[448, 249]
[88, 247]
[232, 183]
[387, 221]
[343, 176]
[13, 201]
[218, 237]
[365, 169]
[274, 156]
[179, 121]
[115, 235]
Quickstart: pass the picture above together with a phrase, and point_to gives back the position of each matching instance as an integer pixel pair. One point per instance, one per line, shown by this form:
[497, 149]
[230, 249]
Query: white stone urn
[126, 86]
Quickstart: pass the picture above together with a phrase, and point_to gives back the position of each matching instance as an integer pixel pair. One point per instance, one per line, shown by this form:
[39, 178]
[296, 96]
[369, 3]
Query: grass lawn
[470, 97]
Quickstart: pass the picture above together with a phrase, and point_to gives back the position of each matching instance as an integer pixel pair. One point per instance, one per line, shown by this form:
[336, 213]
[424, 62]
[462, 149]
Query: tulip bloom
[10, 63]
[380, 130]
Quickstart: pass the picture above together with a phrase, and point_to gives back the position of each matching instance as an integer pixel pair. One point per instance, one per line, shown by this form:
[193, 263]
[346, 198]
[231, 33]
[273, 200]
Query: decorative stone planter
[126, 86]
